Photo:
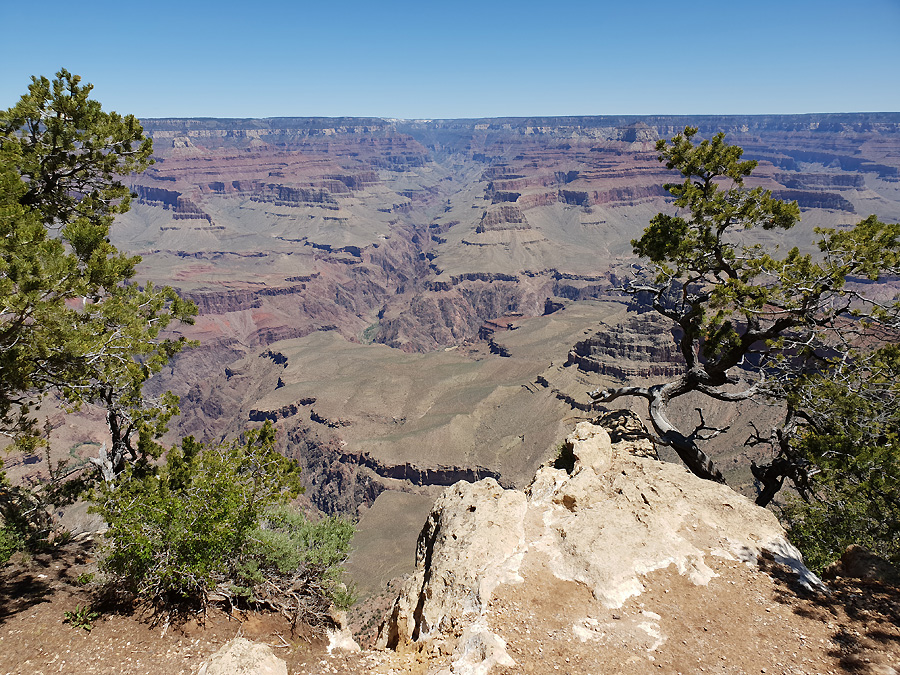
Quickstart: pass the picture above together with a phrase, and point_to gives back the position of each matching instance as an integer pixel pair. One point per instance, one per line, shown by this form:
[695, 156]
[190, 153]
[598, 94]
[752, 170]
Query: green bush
[215, 520]
[25, 522]
[81, 617]
[85, 578]
[853, 441]
[856, 501]
[286, 541]
[565, 457]
[10, 542]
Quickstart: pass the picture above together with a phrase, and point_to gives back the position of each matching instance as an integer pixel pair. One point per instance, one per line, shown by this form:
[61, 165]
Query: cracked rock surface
[506, 578]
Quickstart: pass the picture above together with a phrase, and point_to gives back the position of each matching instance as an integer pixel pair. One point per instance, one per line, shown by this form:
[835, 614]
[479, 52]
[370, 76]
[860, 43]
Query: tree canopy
[72, 321]
[758, 322]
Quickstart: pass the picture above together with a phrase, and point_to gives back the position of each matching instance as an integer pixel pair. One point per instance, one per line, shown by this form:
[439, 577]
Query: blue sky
[464, 59]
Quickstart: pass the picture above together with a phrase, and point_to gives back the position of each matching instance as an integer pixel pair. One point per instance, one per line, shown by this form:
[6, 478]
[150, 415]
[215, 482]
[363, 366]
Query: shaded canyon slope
[418, 302]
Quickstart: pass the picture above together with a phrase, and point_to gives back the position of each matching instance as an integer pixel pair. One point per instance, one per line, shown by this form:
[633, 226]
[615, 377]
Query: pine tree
[72, 321]
[756, 322]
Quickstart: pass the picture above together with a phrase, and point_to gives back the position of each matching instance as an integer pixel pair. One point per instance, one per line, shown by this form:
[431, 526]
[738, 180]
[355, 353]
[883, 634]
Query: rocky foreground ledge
[611, 562]
[623, 564]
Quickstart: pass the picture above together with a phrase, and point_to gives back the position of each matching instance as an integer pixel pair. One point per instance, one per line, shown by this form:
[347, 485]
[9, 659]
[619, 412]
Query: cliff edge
[621, 562]
[611, 562]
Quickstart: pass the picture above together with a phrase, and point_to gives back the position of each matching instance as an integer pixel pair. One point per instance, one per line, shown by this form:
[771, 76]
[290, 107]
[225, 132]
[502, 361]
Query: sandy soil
[748, 620]
[744, 621]
[36, 591]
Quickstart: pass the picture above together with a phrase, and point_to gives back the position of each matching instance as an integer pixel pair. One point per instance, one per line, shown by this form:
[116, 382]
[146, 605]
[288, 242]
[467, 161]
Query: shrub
[214, 520]
[853, 496]
[287, 545]
[25, 522]
[82, 617]
[10, 542]
[857, 501]
[85, 578]
[565, 457]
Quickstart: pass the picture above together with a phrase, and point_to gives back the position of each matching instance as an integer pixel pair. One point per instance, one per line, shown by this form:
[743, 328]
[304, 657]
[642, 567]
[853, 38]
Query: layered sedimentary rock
[311, 197]
[417, 235]
[643, 346]
[503, 217]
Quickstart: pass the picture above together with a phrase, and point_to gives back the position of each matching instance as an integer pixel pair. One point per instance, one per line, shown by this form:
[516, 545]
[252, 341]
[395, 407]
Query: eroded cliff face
[363, 224]
[643, 346]
[431, 236]
[590, 553]
[342, 186]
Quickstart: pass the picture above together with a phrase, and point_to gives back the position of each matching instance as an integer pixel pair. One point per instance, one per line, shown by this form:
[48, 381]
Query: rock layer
[643, 346]
[416, 234]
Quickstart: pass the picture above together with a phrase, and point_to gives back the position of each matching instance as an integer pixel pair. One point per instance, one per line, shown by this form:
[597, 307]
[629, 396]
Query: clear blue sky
[461, 59]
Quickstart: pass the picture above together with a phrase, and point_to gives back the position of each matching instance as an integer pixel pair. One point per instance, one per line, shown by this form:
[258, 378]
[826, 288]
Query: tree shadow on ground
[21, 592]
[865, 613]
[29, 579]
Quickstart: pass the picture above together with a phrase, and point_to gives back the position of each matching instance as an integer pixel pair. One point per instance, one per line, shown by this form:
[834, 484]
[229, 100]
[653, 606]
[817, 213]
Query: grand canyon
[421, 308]
[415, 302]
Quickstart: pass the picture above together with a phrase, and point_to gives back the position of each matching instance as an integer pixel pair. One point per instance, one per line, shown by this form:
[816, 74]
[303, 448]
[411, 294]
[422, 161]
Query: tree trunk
[697, 461]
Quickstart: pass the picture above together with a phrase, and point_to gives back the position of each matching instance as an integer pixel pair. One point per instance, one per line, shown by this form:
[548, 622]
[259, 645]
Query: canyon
[416, 302]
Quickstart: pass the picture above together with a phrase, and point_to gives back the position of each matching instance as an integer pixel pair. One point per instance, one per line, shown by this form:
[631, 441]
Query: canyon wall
[463, 242]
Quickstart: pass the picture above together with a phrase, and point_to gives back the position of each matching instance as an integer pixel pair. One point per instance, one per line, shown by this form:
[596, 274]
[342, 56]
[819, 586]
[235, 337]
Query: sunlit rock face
[599, 535]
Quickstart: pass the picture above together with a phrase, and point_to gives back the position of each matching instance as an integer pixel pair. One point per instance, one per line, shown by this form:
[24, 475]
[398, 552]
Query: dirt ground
[748, 620]
[36, 592]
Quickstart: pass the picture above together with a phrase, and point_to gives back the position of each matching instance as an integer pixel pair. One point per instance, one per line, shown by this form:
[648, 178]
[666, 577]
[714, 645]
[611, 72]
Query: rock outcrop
[858, 563]
[503, 217]
[643, 346]
[602, 531]
[243, 657]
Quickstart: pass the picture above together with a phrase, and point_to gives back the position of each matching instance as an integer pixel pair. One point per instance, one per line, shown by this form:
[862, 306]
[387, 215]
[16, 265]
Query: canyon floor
[748, 620]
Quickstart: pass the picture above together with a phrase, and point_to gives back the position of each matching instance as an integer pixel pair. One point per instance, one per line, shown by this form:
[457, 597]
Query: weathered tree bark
[697, 461]
[111, 461]
[104, 464]
[771, 476]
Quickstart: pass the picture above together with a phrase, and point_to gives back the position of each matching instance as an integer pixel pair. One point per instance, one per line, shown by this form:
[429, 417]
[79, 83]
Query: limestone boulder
[243, 657]
[472, 541]
[617, 517]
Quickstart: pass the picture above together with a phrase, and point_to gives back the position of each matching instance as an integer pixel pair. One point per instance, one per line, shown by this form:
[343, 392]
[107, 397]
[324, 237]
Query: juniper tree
[756, 322]
[72, 320]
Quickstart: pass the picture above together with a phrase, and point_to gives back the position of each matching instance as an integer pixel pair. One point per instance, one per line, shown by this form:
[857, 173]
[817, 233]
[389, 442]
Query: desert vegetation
[798, 331]
[208, 522]
[213, 522]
